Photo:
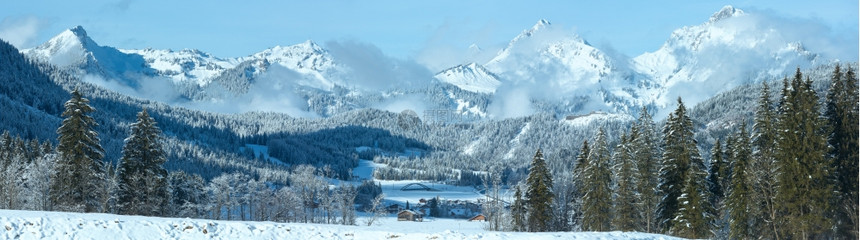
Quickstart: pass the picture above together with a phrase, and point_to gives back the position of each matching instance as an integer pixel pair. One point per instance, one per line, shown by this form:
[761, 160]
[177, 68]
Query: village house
[478, 218]
[409, 215]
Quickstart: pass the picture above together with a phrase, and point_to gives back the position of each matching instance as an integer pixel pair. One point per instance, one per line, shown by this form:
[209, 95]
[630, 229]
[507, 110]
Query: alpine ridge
[729, 49]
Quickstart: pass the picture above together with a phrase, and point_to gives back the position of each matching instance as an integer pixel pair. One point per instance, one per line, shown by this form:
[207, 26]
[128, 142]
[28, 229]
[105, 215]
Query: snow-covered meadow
[57, 225]
[60, 225]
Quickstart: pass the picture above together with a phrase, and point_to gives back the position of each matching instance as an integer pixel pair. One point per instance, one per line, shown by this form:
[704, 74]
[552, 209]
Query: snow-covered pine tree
[738, 199]
[763, 167]
[597, 198]
[841, 111]
[805, 188]
[717, 185]
[78, 181]
[680, 148]
[143, 187]
[627, 216]
[647, 156]
[579, 185]
[715, 174]
[539, 196]
[695, 215]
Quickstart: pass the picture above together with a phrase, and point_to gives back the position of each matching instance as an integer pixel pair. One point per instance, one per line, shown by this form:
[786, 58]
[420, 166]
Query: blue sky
[402, 29]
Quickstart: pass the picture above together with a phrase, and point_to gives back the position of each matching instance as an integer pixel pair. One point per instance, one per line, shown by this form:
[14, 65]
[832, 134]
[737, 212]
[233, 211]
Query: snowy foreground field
[55, 225]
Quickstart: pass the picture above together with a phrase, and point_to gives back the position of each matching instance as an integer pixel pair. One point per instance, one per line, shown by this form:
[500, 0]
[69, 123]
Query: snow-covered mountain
[557, 69]
[74, 49]
[730, 49]
[548, 56]
[187, 65]
[470, 77]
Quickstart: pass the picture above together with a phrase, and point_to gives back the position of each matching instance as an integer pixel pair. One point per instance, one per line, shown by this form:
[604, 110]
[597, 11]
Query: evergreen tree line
[75, 177]
[791, 175]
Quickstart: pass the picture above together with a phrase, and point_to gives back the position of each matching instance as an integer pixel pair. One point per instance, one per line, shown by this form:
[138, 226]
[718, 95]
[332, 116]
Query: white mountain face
[470, 77]
[732, 48]
[188, 65]
[566, 71]
[558, 70]
[549, 56]
[73, 48]
[66, 49]
[307, 58]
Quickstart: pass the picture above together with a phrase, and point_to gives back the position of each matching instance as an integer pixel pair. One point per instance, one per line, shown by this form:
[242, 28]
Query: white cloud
[368, 68]
[21, 32]
[414, 102]
[151, 88]
[448, 47]
[511, 102]
[272, 91]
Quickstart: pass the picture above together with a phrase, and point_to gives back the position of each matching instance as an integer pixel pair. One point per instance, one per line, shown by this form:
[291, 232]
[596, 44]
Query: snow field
[57, 225]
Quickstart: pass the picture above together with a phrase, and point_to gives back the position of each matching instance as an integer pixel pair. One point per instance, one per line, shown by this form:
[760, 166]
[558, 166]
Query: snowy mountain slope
[58, 225]
[73, 48]
[730, 49]
[559, 71]
[506, 52]
[546, 55]
[187, 65]
[306, 58]
[470, 77]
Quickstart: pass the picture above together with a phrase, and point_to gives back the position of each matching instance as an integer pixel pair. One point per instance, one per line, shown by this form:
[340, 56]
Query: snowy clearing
[57, 225]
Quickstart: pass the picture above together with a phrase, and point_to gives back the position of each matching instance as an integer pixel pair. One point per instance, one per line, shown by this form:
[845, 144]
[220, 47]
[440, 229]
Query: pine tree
[841, 112]
[579, 184]
[626, 206]
[715, 174]
[435, 211]
[762, 169]
[539, 196]
[78, 181]
[738, 200]
[647, 155]
[518, 212]
[718, 177]
[805, 190]
[694, 216]
[597, 199]
[680, 149]
[142, 178]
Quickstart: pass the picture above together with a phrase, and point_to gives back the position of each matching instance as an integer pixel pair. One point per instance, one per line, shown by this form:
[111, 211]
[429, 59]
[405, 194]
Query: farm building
[478, 218]
[409, 215]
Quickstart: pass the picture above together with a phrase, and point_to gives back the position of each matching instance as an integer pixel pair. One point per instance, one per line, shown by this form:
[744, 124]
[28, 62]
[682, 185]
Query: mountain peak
[726, 12]
[541, 24]
[310, 43]
[78, 31]
[309, 46]
[76, 34]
